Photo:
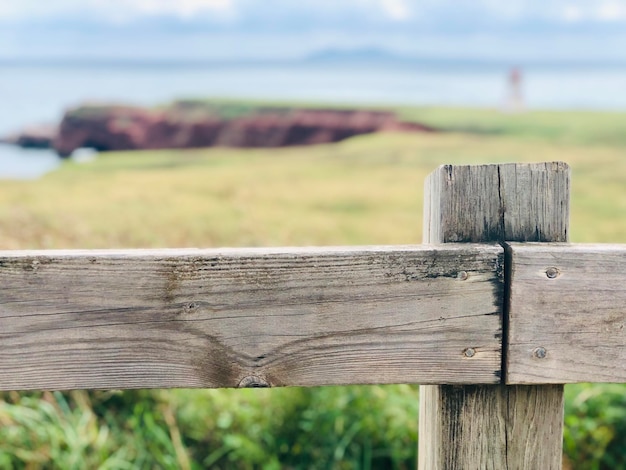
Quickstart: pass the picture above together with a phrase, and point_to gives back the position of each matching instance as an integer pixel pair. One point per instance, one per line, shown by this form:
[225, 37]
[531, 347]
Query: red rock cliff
[128, 128]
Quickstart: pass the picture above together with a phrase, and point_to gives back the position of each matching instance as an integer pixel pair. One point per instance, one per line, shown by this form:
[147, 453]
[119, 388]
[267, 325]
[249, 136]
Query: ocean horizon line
[327, 57]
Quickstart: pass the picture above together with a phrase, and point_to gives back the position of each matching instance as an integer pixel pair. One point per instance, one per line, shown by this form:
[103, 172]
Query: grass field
[366, 190]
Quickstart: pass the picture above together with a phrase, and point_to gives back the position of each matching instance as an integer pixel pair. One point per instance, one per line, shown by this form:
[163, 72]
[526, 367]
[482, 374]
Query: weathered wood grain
[512, 202]
[567, 313]
[474, 427]
[512, 423]
[253, 317]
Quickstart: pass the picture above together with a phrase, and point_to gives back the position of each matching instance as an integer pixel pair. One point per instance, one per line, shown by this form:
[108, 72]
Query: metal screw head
[469, 352]
[462, 275]
[540, 353]
[552, 272]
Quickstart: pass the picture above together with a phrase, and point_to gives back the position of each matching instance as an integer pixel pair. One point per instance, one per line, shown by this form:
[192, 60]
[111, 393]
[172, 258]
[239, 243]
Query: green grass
[366, 190]
[563, 127]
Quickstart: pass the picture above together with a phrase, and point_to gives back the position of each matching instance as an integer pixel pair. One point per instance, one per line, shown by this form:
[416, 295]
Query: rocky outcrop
[197, 124]
[105, 128]
[39, 137]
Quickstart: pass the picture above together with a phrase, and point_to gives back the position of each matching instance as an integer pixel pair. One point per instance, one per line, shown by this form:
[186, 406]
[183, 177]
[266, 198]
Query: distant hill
[377, 56]
[356, 55]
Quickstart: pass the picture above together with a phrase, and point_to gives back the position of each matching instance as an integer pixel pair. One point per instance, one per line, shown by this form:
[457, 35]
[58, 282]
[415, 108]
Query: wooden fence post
[495, 427]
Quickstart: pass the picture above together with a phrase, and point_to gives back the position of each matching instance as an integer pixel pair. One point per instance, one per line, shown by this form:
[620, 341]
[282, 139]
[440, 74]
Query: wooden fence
[488, 316]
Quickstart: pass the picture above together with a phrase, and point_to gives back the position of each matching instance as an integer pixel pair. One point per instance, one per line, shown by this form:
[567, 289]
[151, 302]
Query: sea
[38, 93]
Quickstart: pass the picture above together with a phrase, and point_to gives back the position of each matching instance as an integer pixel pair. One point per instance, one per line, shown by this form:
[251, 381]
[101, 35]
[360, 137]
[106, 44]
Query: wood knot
[253, 381]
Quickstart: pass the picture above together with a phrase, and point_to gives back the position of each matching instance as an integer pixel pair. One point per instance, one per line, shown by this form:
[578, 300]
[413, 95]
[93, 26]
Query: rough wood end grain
[511, 201]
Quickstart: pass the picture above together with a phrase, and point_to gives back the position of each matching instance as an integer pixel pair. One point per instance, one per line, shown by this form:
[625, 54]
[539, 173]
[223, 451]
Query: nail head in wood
[552, 272]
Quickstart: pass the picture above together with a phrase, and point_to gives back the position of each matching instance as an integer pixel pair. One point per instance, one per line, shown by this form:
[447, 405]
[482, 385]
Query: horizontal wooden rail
[567, 316]
[312, 316]
[250, 317]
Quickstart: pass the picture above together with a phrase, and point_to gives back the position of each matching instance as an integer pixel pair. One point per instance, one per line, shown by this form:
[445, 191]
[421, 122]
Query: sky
[491, 30]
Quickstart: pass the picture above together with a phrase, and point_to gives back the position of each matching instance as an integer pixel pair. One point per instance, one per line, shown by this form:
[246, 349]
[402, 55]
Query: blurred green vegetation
[595, 426]
[366, 190]
[329, 427]
[563, 127]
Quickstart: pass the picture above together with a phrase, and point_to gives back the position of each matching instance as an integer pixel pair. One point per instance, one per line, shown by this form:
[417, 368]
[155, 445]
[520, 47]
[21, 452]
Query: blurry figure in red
[515, 100]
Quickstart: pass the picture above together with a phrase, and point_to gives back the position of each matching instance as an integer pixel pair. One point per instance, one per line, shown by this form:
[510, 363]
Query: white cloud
[510, 9]
[6, 9]
[319, 12]
[398, 10]
[573, 13]
[611, 11]
[180, 8]
[35, 8]
[113, 9]
[580, 11]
